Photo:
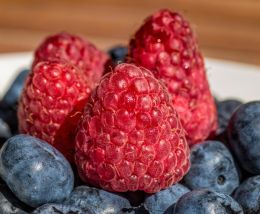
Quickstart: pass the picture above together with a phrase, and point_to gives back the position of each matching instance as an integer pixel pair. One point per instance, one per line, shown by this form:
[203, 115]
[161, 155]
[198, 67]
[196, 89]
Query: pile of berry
[134, 130]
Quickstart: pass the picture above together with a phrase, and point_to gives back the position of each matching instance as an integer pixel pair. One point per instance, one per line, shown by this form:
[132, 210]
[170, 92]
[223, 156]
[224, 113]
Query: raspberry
[51, 104]
[76, 50]
[166, 45]
[130, 137]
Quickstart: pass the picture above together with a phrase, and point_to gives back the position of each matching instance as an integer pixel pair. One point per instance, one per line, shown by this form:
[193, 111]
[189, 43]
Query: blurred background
[226, 29]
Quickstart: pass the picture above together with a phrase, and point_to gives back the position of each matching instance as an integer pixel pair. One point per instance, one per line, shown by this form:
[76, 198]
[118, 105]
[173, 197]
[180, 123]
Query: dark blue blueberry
[4, 132]
[225, 109]
[170, 209]
[140, 210]
[60, 209]
[98, 200]
[203, 201]
[212, 167]
[12, 199]
[133, 210]
[7, 208]
[8, 114]
[8, 105]
[248, 195]
[159, 202]
[118, 54]
[13, 93]
[35, 171]
[244, 136]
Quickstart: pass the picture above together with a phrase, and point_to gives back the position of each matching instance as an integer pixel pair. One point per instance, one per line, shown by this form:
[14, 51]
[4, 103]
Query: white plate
[227, 79]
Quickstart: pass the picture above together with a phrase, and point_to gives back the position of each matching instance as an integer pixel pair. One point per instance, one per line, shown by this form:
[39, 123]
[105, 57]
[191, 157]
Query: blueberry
[160, 201]
[118, 54]
[212, 167]
[8, 105]
[140, 210]
[244, 136]
[13, 93]
[100, 201]
[8, 114]
[133, 210]
[225, 109]
[248, 195]
[206, 202]
[7, 208]
[170, 209]
[13, 201]
[35, 171]
[60, 209]
[4, 132]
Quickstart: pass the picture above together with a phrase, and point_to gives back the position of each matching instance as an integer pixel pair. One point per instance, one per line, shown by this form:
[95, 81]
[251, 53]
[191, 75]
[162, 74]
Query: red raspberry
[76, 50]
[166, 45]
[130, 136]
[51, 104]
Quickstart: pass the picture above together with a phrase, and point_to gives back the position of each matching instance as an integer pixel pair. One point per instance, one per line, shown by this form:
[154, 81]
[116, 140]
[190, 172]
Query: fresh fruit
[51, 104]
[36, 172]
[76, 50]
[206, 202]
[159, 202]
[140, 210]
[7, 208]
[212, 167]
[170, 209]
[10, 201]
[4, 132]
[166, 45]
[60, 209]
[8, 105]
[118, 54]
[97, 200]
[225, 109]
[248, 195]
[130, 136]
[9, 115]
[244, 136]
[13, 93]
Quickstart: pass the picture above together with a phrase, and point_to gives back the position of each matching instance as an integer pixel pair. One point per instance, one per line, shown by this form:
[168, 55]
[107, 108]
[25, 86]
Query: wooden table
[227, 29]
